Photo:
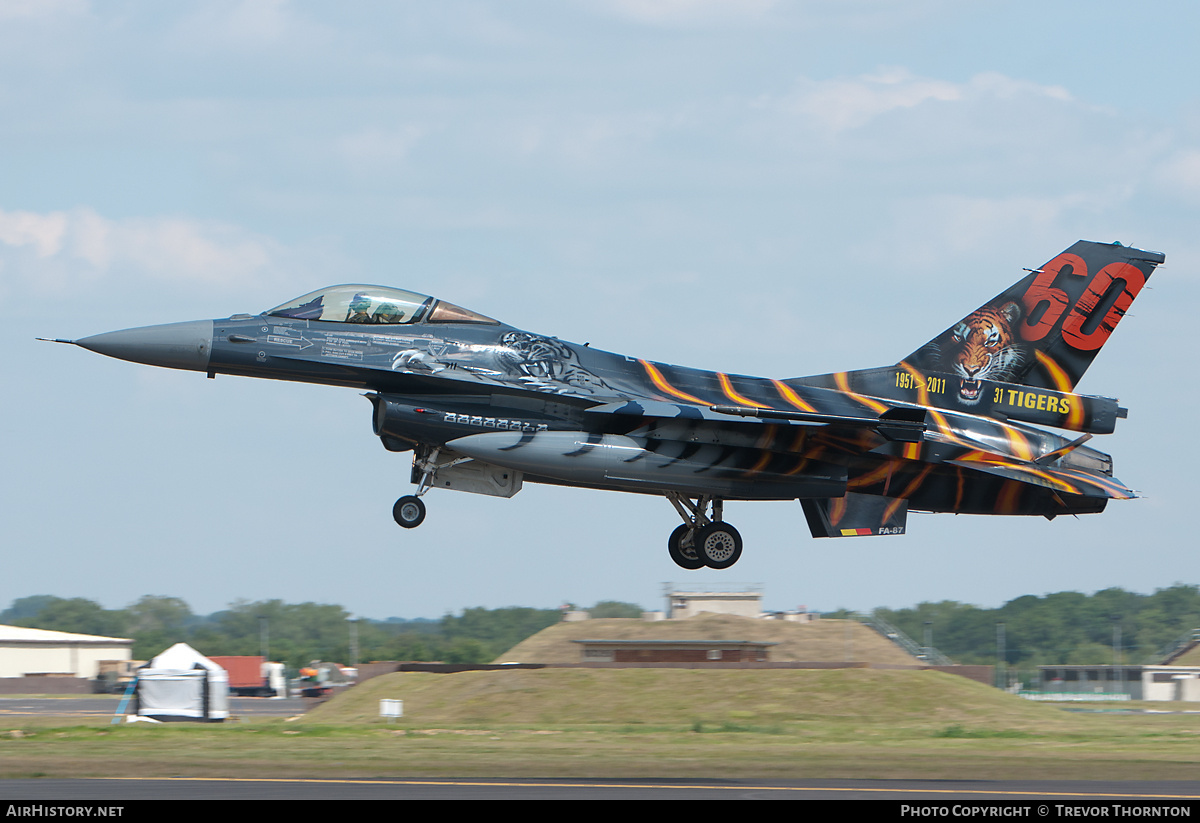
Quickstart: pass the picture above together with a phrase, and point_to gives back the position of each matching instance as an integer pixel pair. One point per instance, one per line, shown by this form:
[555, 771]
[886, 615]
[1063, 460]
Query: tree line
[1110, 626]
[295, 633]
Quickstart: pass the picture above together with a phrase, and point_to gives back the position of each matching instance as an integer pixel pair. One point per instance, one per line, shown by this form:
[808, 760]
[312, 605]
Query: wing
[901, 423]
[853, 440]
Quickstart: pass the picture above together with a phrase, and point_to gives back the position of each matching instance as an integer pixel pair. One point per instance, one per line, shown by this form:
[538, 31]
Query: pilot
[388, 313]
[360, 305]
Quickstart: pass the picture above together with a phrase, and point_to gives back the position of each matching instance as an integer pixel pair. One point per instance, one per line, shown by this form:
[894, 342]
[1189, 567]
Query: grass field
[639, 723]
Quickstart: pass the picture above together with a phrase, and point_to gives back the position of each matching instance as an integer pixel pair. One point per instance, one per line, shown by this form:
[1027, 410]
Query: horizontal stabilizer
[1085, 484]
[902, 423]
[855, 515]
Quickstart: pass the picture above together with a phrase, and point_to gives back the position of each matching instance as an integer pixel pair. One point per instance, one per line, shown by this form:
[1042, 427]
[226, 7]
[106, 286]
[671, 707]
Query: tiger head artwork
[982, 346]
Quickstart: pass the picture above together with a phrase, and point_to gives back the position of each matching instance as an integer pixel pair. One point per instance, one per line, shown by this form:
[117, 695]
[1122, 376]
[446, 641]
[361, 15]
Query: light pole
[1116, 619]
[1001, 675]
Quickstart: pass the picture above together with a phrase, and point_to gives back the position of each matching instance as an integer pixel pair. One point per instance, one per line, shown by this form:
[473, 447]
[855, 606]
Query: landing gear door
[476, 477]
[855, 515]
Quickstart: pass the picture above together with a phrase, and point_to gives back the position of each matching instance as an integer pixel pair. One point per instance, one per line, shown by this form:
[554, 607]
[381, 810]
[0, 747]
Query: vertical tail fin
[1045, 330]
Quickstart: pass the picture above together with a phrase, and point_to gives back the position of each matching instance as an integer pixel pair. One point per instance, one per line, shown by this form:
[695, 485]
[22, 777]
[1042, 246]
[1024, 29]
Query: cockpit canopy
[375, 305]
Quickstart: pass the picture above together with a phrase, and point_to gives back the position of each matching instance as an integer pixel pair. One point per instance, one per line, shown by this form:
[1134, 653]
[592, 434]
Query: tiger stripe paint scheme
[952, 427]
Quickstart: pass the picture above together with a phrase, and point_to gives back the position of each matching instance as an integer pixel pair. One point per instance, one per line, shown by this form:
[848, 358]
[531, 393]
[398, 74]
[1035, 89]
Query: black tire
[718, 545]
[683, 555]
[409, 511]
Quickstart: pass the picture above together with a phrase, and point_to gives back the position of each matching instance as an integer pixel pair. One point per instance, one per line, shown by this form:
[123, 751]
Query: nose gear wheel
[409, 511]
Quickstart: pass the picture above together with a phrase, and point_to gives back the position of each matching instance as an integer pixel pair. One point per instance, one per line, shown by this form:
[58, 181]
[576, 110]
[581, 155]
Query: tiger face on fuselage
[983, 346]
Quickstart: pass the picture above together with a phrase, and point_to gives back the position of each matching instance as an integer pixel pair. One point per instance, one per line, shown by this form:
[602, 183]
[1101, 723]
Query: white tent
[182, 684]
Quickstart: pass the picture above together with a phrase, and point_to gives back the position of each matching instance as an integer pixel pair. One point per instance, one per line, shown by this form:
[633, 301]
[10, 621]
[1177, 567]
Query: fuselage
[528, 402]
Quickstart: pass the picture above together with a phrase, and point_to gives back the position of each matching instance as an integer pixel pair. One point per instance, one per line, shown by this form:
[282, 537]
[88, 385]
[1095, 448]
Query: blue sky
[760, 187]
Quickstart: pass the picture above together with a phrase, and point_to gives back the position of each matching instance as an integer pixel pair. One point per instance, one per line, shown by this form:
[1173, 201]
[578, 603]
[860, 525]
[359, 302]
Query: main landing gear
[702, 540]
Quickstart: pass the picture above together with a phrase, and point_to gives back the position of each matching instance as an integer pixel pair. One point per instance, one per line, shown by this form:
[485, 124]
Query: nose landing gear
[409, 511]
[702, 540]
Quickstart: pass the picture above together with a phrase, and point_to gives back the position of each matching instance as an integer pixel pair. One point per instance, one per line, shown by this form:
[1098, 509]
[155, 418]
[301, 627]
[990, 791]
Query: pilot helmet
[388, 313]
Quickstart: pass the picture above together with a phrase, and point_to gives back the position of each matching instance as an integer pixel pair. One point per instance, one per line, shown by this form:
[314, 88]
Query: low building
[1121, 682]
[42, 653]
[685, 603]
[673, 651]
[739, 599]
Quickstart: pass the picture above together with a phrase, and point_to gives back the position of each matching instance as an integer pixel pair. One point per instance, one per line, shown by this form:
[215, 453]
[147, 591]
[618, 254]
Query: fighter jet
[484, 407]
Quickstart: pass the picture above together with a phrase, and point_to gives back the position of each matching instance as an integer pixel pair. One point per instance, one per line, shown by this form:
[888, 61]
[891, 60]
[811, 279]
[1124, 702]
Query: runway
[1049, 794]
[1038, 793]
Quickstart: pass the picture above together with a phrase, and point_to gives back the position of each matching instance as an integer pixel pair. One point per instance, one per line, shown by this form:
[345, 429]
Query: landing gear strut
[703, 539]
[409, 510]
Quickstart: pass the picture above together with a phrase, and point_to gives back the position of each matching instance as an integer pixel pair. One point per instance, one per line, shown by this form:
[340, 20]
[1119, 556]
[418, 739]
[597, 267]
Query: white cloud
[375, 150]
[976, 222]
[927, 232]
[601, 141]
[30, 9]
[847, 103]
[1180, 173]
[44, 232]
[592, 139]
[257, 27]
[259, 20]
[56, 250]
[690, 12]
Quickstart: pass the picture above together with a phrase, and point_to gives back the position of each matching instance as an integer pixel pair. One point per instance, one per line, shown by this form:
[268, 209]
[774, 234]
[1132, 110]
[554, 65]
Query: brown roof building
[673, 651]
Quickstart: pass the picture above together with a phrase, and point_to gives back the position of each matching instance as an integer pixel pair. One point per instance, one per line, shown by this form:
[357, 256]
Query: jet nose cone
[173, 345]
